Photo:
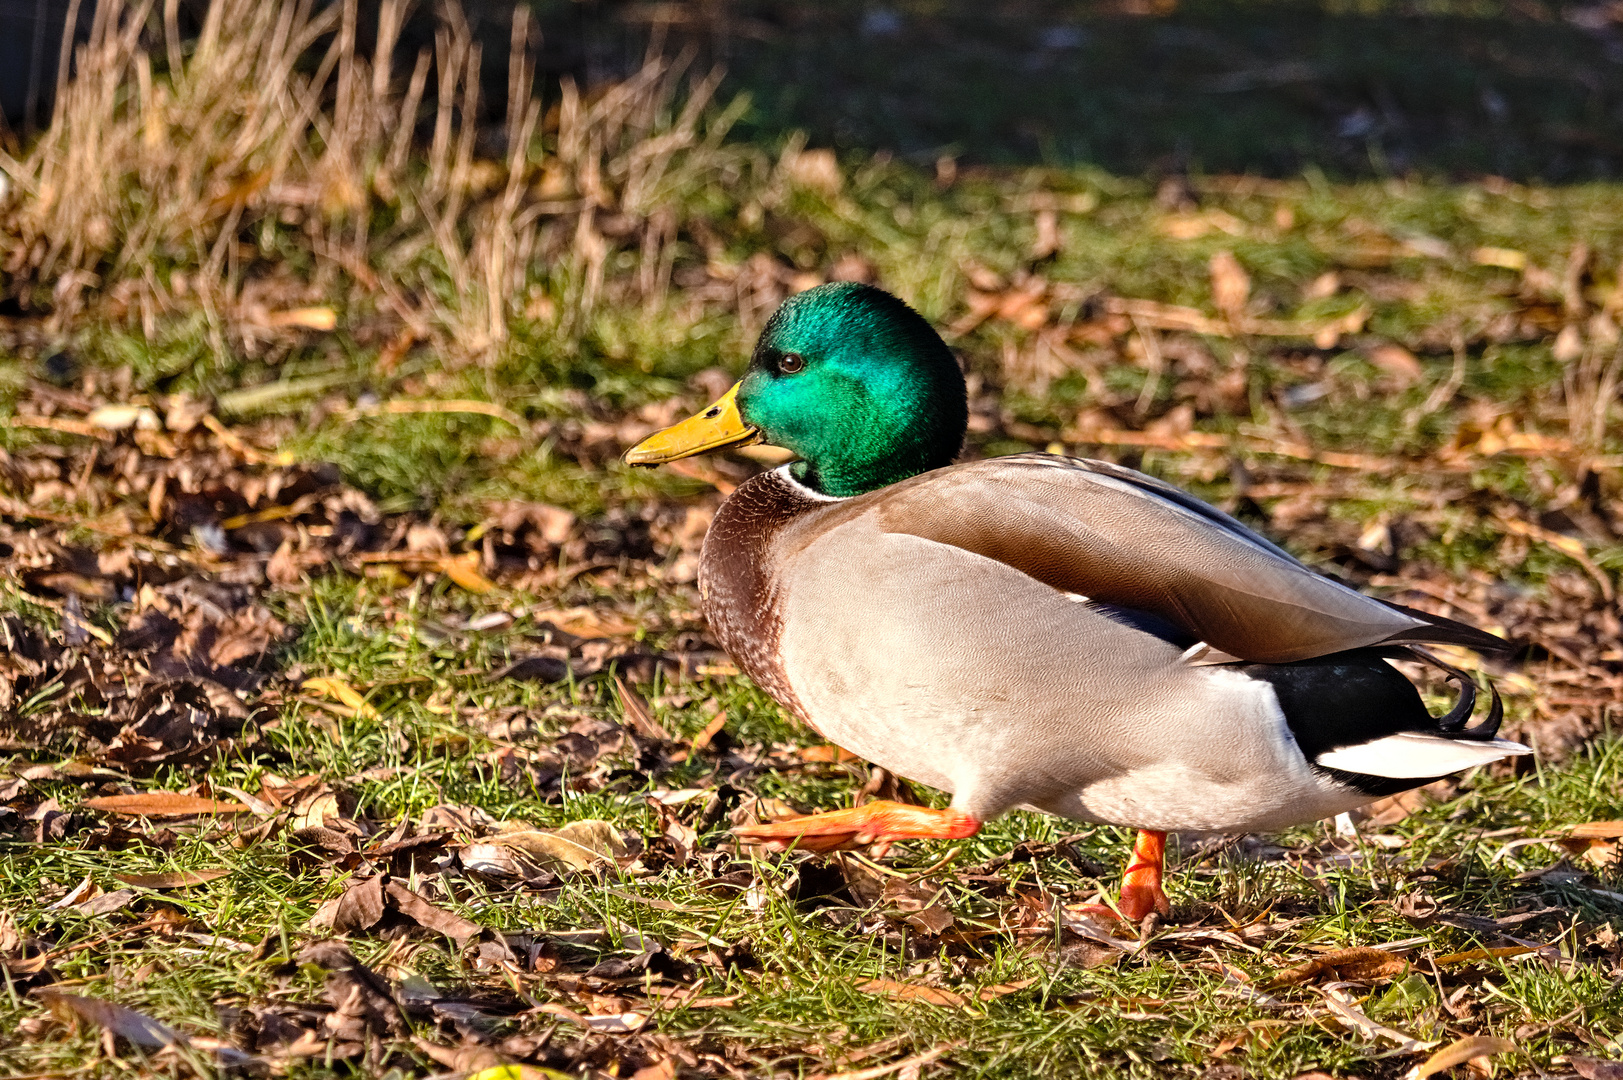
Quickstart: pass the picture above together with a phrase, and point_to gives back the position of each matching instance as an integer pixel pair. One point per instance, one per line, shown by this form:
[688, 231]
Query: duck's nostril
[712, 414]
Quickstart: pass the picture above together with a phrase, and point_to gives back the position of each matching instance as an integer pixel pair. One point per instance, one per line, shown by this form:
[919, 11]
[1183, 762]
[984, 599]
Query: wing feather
[1120, 537]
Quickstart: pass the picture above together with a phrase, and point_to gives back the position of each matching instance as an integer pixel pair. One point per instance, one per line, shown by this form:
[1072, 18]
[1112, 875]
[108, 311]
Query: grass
[1477, 474]
[1164, 1010]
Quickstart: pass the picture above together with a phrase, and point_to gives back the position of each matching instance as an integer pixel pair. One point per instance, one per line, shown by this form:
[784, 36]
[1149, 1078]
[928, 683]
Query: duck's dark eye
[790, 363]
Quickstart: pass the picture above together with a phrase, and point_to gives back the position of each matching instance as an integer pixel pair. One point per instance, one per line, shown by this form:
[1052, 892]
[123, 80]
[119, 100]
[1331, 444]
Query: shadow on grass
[1531, 90]
[1525, 89]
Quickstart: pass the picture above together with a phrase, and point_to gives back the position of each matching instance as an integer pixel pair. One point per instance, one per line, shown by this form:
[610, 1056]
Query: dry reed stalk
[1590, 386]
[139, 201]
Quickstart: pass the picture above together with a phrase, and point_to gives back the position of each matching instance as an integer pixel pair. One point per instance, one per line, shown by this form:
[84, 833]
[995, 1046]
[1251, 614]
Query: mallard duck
[1038, 631]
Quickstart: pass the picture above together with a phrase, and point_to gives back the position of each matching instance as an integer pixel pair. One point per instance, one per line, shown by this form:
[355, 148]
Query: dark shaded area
[1526, 89]
[30, 47]
[1520, 89]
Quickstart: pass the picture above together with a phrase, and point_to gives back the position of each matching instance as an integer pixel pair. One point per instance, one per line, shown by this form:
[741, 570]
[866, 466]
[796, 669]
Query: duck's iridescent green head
[848, 377]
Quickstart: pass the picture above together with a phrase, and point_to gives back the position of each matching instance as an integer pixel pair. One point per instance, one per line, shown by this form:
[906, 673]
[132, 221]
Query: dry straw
[195, 179]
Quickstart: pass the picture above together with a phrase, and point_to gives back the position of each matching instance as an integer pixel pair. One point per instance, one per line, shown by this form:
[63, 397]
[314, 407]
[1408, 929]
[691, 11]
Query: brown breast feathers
[736, 580]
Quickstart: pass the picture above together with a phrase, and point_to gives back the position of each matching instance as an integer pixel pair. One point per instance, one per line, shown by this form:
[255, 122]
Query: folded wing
[1119, 537]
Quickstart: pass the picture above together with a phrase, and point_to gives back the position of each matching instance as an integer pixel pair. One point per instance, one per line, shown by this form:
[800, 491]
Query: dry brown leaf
[315, 808]
[1473, 955]
[1459, 1052]
[1079, 920]
[1154, 315]
[577, 846]
[134, 1027]
[930, 920]
[1394, 808]
[1600, 853]
[493, 860]
[818, 170]
[1024, 305]
[359, 908]
[238, 194]
[84, 891]
[283, 568]
[163, 804]
[552, 523]
[1194, 226]
[363, 1003]
[1597, 830]
[142, 1030]
[1593, 1068]
[177, 879]
[431, 916]
[1326, 284]
[124, 417]
[726, 669]
[107, 903]
[711, 730]
[1505, 258]
[904, 991]
[1328, 334]
[585, 623]
[1262, 1033]
[1231, 285]
[682, 837]
[1397, 364]
[981, 307]
[464, 570]
[57, 423]
[854, 267]
[988, 993]
[474, 1061]
[1361, 964]
[624, 1023]
[827, 752]
[305, 318]
[1048, 240]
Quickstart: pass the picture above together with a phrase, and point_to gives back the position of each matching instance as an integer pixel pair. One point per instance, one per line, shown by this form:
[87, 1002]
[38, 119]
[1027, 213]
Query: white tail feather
[1200, 654]
[1411, 755]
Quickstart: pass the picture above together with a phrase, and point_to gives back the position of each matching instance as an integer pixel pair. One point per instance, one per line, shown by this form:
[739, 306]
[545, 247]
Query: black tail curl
[1453, 724]
[1356, 697]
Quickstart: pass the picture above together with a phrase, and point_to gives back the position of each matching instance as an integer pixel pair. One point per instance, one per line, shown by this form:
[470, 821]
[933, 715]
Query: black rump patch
[1345, 699]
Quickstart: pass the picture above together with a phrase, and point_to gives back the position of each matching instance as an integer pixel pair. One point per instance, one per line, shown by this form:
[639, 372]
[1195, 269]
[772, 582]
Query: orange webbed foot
[1141, 891]
[871, 823]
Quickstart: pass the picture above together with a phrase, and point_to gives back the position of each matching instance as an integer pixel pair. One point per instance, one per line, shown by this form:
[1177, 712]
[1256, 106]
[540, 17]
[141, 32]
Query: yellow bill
[716, 428]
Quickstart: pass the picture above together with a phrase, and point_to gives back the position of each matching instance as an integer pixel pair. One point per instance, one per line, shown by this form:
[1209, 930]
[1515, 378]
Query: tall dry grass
[271, 167]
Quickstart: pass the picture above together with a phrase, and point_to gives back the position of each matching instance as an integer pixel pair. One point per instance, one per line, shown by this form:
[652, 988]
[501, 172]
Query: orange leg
[1141, 891]
[871, 823]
